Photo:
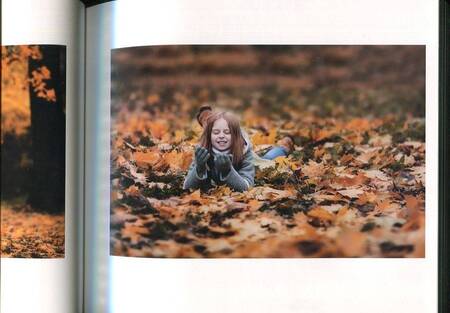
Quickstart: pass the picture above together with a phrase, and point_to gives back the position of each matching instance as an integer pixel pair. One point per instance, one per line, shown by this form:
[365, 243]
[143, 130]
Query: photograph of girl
[228, 149]
[224, 156]
[241, 151]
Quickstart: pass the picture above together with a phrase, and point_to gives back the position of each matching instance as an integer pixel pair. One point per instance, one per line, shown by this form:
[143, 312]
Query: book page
[338, 209]
[42, 81]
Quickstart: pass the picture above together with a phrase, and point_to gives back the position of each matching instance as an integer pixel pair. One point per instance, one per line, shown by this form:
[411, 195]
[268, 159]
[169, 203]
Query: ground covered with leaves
[354, 185]
[27, 234]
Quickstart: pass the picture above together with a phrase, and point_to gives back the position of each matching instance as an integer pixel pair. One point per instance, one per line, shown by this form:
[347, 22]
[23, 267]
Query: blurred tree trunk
[48, 131]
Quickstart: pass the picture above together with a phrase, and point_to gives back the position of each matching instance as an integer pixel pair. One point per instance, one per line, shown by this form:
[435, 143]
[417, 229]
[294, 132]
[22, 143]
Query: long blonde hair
[237, 141]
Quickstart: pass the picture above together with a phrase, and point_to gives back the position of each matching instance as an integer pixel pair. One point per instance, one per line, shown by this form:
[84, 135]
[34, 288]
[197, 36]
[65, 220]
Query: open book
[187, 156]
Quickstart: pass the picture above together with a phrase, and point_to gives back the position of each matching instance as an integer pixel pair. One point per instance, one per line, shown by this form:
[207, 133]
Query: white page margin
[49, 285]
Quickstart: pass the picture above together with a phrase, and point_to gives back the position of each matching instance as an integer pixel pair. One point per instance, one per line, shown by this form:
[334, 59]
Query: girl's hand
[223, 164]
[201, 157]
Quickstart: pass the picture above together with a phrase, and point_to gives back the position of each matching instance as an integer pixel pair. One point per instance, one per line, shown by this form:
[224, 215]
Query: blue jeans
[275, 152]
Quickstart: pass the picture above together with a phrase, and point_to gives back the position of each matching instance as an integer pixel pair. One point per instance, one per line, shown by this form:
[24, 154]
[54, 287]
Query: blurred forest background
[33, 151]
[353, 187]
[365, 80]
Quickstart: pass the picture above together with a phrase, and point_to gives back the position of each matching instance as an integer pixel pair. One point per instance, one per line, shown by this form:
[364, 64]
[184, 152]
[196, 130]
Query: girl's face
[221, 135]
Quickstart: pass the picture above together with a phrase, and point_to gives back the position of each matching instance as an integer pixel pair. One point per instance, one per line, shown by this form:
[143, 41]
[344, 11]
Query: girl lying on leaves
[223, 157]
[283, 147]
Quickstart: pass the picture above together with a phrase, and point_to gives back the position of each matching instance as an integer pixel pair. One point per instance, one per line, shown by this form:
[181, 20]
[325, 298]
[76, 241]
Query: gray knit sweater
[240, 178]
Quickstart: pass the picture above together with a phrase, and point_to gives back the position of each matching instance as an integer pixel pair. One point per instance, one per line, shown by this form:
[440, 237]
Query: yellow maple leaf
[158, 128]
[261, 139]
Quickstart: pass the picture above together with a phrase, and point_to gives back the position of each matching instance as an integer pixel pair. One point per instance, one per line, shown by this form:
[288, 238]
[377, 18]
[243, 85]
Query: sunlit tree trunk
[47, 191]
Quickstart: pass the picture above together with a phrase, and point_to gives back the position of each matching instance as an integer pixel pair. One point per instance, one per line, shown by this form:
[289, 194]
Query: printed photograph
[240, 151]
[33, 131]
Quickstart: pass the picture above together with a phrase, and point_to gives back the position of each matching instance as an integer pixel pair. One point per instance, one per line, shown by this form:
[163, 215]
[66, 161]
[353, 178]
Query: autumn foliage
[32, 151]
[28, 234]
[16, 84]
[354, 185]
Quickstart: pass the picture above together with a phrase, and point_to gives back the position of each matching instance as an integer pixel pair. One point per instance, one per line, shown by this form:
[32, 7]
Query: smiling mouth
[222, 142]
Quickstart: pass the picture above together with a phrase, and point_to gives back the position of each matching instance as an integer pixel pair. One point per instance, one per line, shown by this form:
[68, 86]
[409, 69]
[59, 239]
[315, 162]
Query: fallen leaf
[351, 193]
[321, 214]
